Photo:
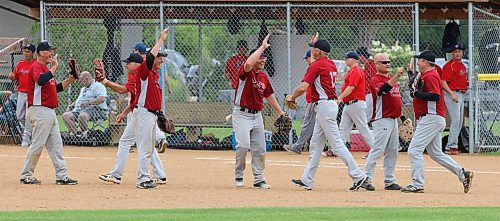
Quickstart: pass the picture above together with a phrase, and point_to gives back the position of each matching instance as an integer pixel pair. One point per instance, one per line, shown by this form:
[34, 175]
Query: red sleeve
[432, 83]
[447, 72]
[16, 71]
[354, 78]
[311, 74]
[375, 85]
[142, 71]
[36, 70]
[130, 85]
[241, 73]
[269, 89]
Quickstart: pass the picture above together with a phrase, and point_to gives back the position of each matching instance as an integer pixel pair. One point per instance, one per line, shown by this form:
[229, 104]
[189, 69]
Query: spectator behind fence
[6, 106]
[235, 62]
[90, 105]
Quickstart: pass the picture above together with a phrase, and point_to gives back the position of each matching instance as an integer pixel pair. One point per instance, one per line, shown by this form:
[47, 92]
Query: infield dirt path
[204, 179]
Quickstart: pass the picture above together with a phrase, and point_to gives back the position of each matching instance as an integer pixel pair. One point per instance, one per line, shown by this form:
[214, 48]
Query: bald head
[86, 78]
[382, 63]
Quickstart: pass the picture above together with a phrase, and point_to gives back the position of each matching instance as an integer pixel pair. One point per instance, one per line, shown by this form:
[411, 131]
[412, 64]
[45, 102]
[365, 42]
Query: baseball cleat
[261, 185]
[160, 181]
[30, 180]
[162, 145]
[299, 183]
[238, 182]
[110, 178]
[359, 184]
[146, 185]
[393, 186]
[290, 148]
[411, 189]
[468, 180]
[66, 181]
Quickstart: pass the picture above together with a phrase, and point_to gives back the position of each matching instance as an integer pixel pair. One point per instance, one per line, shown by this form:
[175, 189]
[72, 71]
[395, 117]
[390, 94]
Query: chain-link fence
[486, 29]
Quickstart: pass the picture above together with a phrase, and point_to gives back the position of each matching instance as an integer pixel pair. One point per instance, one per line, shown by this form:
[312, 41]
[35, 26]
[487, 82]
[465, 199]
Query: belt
[351, 102]
[316, 103]
[461, 91]
[249, 110]
[157, 113]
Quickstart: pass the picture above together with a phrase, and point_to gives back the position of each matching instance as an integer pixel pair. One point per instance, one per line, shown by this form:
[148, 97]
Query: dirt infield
[204, 179]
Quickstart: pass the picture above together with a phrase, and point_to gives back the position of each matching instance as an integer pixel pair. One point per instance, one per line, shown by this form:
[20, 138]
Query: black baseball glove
[415, 83]
[165, 124]
[73, 68]
[283, 124]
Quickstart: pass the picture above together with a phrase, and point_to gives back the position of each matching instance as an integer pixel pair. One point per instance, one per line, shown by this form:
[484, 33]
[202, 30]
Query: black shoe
[147, 185]
[30, 180]
[299, 183]
[360, 183]
[368, 186]
[393, 186]
[290, 148]
[468, 180]
[411, 189]
[66, 181]
[238, 182]
[261, 185]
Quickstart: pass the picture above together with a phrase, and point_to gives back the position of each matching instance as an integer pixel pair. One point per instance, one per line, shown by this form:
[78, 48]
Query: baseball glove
[165, 124]
[99, 70]
[415, 83]
[406, 129]
[283, 124]
[291, 104]
[73, 68]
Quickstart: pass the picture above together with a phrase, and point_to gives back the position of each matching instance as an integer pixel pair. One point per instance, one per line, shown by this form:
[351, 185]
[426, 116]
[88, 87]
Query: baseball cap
[426, 55]
[242, 43]
[262, 55]
[160, 53]
[458, 46]
[133, 57]
[363, 51]
[321, 44]
[30, 47]
[308, 54]
[141, 47]
[352, 54]
[44, 46]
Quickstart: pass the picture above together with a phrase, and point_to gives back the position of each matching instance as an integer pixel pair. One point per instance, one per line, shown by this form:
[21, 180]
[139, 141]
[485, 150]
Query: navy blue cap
[134, 57]
[352, 54]
[321, 44]
[426, 55]
[308, 54]
[30, 47]
[44, 46]
[141, 47]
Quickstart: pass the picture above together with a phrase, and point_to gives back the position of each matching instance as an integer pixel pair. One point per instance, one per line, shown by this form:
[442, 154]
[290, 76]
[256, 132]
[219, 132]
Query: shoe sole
[110, 180]
[38, 183]
[418, 191]
[143, 187]
[356, 188]
[66, 184]
[258, 187]
[291, 150]
[466, 190]
[302, 186]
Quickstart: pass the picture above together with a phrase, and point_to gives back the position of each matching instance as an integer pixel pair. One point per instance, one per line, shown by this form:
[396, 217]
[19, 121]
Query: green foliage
[400, 55]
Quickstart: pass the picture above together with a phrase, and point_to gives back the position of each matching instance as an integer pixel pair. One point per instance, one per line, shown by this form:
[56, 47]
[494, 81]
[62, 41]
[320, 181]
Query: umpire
[42, 99]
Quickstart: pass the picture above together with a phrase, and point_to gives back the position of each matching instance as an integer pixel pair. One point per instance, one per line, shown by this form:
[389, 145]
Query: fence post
[164, 75]
[417, 32]
[470, 14]
[42, 21]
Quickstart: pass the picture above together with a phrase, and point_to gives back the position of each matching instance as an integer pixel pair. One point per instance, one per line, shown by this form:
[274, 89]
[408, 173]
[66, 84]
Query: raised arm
[254, 57]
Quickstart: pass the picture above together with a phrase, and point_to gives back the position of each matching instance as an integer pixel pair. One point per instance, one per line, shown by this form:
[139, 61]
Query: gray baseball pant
[355, 114]
[307, 127]
[21, 108]
[369, 108]
[456, 112]
[45, 133]
[145, 133]
[386, 141]
[428, 136]
[249, 134]
[326, 129]
[126, 141]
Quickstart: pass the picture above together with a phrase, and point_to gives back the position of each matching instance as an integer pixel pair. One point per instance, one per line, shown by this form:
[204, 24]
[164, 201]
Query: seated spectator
[6, 106]
[90, 105]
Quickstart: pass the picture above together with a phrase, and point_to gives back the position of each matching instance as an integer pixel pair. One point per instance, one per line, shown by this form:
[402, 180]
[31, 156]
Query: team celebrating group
[378, 93]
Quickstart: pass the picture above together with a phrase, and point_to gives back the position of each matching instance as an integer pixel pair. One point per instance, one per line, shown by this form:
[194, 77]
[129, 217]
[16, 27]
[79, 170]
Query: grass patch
[252, 214]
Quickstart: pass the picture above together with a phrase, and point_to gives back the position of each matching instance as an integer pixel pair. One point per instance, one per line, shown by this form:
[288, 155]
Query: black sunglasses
[385, 62]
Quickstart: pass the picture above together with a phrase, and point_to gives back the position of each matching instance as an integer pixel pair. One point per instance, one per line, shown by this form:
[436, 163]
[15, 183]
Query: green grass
[253, 214]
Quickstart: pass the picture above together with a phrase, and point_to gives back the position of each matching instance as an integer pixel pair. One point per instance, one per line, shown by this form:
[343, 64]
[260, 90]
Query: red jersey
[45, 95]
[439, 70]
[130, 85]
[369, 70]
[130, 77]
[455, 74]
[385, 105]
[21, 73]
[232, 67]
[251, 90]
[147, 88]
[355, 77]
[309, 98]
[321, 76]
[432, 84]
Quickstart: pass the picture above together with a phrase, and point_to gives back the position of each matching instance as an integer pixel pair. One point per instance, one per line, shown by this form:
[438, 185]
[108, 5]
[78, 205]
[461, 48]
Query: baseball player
[20, 74]
[386, 111]
[428, 105]
[128, 137]
[369, 70]
[320, 76]
[235, 62]
[252, 87]
[42, 99]
[148, 100]
[454, 80]
[307, 126]
[353, 96]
